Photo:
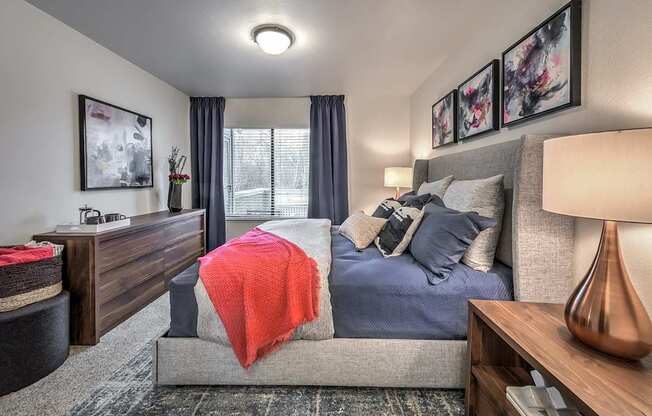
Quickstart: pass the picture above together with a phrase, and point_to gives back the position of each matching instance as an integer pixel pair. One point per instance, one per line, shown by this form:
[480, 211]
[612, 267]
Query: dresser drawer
[127, 248]
[179, 231]
[183, 254]
[125, 305]
[117, 281]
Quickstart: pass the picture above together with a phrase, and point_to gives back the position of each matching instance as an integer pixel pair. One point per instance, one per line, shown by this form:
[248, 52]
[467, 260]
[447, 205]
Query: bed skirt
[333, 362]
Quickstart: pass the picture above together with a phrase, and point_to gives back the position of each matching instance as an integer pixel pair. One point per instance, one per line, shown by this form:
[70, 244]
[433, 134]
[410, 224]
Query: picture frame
[478, 102]
[116, 149]
[548, 56]
[444, 120]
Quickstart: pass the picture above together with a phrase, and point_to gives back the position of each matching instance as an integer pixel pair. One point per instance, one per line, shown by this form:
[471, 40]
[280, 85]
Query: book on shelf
[539, 400]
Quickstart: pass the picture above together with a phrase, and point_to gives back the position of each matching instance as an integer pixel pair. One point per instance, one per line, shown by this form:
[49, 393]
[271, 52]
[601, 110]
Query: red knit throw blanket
[262, 287]
[24, 254]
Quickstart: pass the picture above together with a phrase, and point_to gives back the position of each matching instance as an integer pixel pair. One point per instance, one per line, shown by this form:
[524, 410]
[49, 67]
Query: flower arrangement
[178, 178]
[176, 164]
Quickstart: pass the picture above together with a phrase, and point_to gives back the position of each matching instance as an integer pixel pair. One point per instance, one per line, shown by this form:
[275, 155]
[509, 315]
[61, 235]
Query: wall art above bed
[477, 102]
[115, 146]
[444, 122]
[541, 72]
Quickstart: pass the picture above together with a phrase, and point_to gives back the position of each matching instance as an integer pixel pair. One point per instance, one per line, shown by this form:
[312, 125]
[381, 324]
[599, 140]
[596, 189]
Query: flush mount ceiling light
[272, 39]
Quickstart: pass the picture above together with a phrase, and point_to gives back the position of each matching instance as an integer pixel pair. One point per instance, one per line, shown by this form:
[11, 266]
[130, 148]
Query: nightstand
[508, 339]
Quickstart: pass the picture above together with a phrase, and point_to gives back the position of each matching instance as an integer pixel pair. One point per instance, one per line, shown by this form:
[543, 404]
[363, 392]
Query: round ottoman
[34, 341]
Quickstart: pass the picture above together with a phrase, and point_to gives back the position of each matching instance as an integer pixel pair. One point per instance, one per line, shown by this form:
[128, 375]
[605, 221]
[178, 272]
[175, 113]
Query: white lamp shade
[606, 175]
[398, 177]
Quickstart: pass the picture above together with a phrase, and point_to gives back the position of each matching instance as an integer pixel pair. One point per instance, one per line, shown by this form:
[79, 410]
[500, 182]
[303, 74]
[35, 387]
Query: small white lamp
[398, 178]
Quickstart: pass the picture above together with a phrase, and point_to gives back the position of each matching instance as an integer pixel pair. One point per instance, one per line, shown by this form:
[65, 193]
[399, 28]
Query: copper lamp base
[604, 311]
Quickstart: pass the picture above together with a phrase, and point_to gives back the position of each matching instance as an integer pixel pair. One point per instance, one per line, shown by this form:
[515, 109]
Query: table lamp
[606, 176]
[398, 178]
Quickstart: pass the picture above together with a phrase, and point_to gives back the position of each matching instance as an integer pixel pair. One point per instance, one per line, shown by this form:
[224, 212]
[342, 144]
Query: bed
[380, 341]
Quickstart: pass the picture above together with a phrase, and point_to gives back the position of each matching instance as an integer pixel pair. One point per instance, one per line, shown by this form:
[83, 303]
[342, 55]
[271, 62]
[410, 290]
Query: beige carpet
[88, 367]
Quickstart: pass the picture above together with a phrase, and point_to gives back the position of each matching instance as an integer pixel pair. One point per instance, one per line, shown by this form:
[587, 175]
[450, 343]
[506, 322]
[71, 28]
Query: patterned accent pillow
[386, 208]
[398, 231]
[486, 197]
[436, 188]
[361, 229]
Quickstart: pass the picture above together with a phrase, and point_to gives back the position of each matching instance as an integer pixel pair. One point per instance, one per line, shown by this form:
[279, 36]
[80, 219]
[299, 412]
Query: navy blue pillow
[406, 195]
[443, 237]
[416, 201]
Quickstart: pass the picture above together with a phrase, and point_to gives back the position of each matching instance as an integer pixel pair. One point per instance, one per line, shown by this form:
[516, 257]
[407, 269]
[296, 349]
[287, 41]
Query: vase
[174, 197]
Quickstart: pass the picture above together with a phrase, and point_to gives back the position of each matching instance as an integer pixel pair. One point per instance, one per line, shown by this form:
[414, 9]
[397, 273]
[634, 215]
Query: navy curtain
[328, 170]
[206, 143]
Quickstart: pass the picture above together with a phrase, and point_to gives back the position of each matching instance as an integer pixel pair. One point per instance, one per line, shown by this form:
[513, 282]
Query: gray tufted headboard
[537, 244]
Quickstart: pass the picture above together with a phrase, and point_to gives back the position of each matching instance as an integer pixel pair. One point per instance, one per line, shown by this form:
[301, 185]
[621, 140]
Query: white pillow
[361, 229]
[486, 197]
[436, 188]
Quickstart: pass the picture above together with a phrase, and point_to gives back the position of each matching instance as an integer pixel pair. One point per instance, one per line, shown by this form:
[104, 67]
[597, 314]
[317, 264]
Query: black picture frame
[495, 100]
[453, 95]
[575, 80]
[83, 145]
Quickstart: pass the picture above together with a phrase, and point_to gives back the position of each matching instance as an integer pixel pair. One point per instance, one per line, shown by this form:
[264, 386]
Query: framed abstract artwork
[444, 122]
[477, 102]
[542, 71]
[115, 146]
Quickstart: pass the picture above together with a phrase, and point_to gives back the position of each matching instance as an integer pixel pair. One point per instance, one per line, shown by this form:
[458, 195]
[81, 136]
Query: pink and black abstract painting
[477, 102]
[541, 71]
[443, 120]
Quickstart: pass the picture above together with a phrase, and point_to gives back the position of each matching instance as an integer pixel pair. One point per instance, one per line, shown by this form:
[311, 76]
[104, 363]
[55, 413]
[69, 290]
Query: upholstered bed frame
[538, 245]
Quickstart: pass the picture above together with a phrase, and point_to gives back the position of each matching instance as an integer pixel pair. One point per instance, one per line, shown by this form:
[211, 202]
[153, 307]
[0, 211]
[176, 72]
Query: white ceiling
[203, 47]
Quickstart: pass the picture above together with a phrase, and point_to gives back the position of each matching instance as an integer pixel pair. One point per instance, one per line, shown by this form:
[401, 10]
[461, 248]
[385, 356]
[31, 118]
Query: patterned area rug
[129, 391]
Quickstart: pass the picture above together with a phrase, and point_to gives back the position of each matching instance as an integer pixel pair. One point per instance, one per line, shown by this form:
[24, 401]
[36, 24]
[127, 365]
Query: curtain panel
[206, 145]
[329, 195]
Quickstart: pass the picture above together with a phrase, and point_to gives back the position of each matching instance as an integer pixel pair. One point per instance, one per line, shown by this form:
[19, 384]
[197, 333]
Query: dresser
[111, 275]
[508, 339]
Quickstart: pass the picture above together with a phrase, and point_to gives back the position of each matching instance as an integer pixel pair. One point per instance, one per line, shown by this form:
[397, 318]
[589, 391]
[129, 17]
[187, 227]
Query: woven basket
[26, 283]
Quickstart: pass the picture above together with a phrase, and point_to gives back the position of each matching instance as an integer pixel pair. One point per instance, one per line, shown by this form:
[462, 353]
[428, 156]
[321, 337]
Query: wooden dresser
[508, 339]
[113, 274]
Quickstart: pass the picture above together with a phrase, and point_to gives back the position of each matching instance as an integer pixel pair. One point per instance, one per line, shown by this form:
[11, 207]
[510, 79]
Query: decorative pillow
[386, 208]
[361, 229]
[405, 196]
[486, 197]
[417, 201]
[435, 188]
[444, 236]
[397, 232]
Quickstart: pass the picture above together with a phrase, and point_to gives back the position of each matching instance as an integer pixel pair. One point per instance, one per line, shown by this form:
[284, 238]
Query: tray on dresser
[91, 228]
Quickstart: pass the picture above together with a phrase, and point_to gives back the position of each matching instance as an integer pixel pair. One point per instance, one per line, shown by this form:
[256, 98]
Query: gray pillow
[435, 188]
[443, 237]
[486, 197]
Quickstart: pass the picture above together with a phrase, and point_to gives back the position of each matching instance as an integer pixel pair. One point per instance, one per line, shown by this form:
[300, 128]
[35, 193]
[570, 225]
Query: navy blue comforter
[375, 297]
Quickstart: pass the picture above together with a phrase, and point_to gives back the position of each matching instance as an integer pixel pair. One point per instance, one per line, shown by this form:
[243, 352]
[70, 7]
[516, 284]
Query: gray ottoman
[34, 341]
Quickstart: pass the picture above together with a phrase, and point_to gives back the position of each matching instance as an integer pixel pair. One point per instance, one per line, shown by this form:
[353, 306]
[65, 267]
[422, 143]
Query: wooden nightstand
[507, 339]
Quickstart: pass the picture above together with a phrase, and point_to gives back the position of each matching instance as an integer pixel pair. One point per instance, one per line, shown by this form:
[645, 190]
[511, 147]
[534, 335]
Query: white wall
[44, 66]
[280, 113]
[616, 94]
[378, 131]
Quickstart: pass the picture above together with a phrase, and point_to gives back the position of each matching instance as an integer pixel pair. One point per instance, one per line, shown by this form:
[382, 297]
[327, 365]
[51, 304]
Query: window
[266, 172]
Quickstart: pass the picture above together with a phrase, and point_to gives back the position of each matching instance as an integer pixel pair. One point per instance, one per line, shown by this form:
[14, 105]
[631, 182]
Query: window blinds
[266, 172]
